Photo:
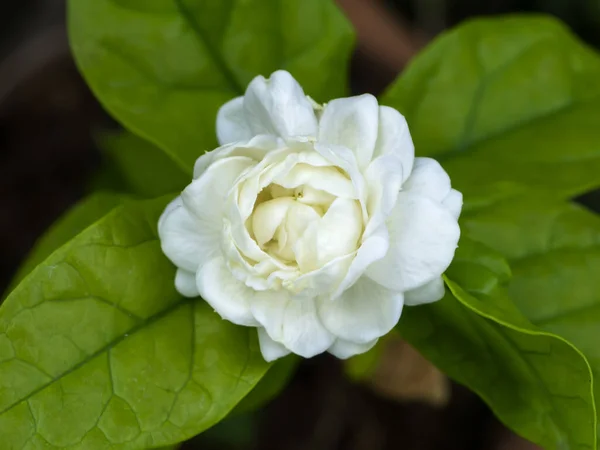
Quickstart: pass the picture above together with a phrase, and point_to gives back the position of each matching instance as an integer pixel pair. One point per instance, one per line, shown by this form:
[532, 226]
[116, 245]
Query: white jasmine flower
[313, 224]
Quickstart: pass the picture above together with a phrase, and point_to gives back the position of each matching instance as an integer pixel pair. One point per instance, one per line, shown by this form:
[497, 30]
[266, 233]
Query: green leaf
[535, 381]
[145, 169]
[72, 223]
[98, 351]
[506, 99]
[554, 251]
[363, 366]
[274, 382]
[107, 178]
[163, 68]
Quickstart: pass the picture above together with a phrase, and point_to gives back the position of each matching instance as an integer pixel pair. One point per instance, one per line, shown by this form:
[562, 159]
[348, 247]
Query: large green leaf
[506, 99]
[163, 68]
[554, 250]
[98, 351]
[143, 167]
[535, 381]
[72, 223]
[274, 382]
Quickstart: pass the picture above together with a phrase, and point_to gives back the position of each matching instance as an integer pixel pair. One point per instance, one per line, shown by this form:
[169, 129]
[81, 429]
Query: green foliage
[97, 349]
[143, 168]
[163, 69]
[554, 250]
[536, 382]
[277, 378]
[512, 99]
[72, 223]
[362, 366]
[511, 107]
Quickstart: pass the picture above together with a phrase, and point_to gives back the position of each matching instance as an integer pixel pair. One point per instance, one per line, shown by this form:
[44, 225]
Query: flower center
[302, 213]
[281, 216]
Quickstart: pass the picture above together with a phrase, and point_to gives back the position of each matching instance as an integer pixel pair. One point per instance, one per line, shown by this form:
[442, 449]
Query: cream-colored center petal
[279, 223]
[328, 179]
[335, 234]
[299, 214]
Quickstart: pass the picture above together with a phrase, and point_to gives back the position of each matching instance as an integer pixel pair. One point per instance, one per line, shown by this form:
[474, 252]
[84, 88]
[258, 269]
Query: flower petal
[256, 148]
[345, 159]
[183, 238]
[327, 179]
[173, 205]
[293, 322]
[206, 196]
[353, 123]
[423, 238]
[372, 249]
[345, 349]
[270, 349]
[229, 297]
[185, 283]
[324, 279]
[428, 293]
[384, 178]
[335, 234]
[279, 107]
[453, 203]
[428, 179]
[394, 139]
[231, 123]
[363, 313]
[268, 216]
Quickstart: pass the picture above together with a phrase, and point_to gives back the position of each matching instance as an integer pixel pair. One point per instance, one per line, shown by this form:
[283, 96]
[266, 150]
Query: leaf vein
[101, 350]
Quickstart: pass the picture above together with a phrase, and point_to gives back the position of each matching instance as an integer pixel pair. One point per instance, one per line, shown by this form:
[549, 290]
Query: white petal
[316, 197]
[184, 240]
[258, 277]
[346, 349]
[236, 229]
[363, 313]
[453, 203]
[279, 107]
[298, 219]
[173, 204]
[353, 123]
[256, 148]
[428, 179]
[345, 159]
[268, 216]
[428, 293]
[339, 230]
[229, 297]
[231, 123]
[260, 176]
[394, 139]
[323, 280]
[206, 196]
[326, 179]
[372, 249]
[293, 322]
[335, 234]
[270, 349]
[423, 238]
[185, 283]
[384, 179]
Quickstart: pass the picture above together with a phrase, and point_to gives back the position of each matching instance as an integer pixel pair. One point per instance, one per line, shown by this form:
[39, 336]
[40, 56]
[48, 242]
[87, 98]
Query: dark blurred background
[48, 156]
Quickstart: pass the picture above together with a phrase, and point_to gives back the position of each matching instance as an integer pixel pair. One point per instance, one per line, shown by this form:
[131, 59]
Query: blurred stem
[381, 34]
